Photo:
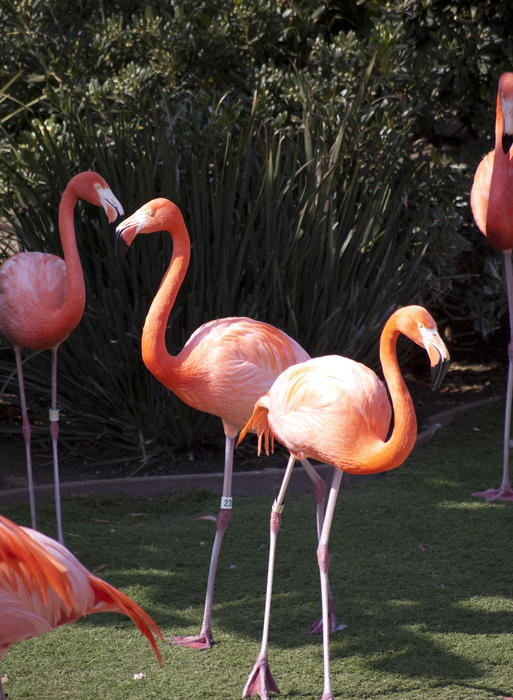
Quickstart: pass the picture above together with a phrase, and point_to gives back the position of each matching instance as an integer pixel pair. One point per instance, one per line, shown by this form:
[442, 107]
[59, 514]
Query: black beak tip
[507, 140]
[120, 246]
[438, 373]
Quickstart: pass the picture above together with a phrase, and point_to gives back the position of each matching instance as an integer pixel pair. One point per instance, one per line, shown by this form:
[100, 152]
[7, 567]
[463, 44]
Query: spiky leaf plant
[308, 231]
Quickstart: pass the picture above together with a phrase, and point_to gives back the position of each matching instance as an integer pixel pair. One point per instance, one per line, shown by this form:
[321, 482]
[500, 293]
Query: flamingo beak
[507, 140]
[120, 245]
[110, 203]
[439, 357]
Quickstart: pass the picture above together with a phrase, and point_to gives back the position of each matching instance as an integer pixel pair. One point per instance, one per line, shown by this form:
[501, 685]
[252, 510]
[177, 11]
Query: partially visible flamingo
[337, 411]
[223, 368]
[491, 200]
[42, 299]
[43, 586]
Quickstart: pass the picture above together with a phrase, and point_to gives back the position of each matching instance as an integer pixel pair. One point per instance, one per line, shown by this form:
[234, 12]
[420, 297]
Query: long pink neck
[394, 451]
[155, 355]
[74, 301]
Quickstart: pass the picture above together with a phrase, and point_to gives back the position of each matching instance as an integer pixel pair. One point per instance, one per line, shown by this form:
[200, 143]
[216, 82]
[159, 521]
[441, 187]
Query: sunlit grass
[421, 573]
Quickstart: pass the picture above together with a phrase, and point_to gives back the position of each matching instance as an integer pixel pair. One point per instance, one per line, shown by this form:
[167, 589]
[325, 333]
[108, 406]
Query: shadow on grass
[420, 571]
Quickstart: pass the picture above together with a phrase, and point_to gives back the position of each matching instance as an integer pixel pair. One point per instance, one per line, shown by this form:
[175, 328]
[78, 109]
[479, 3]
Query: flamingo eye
[151, 212]
[97, 186]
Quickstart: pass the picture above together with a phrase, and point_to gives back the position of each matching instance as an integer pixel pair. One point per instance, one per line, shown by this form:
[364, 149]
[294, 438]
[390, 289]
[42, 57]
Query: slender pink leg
[205, 639]
[323, 559]
[54, 431]
[2, 696]
[26, 437]
[505, 492]
[319, 489]
[261, 681]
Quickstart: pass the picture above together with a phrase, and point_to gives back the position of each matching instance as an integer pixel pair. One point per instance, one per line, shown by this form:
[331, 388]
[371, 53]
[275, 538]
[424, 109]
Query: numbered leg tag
[226, 502]
[53, 414]
[277, 508]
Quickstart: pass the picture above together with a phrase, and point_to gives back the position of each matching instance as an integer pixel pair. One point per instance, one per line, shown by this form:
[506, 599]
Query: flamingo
[336, 410]
[42, 299]
[43, 586]
[223, 368]
[491, 200]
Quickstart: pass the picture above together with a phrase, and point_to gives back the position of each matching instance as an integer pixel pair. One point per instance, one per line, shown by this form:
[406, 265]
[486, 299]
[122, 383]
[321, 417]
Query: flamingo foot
[201, 641]
[504, 493]
[261, 680]
[328, 696]
[334, 626]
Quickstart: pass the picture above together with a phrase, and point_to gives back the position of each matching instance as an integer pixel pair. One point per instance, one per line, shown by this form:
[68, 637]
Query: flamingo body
[32, 291]
[228, 363]
[44, 586]
[337, 410]
[42, 299]
[491, 201]
[308, 399]
[222, 369]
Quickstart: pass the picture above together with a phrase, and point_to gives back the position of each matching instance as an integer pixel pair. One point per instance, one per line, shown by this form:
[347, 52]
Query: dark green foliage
[322, 156]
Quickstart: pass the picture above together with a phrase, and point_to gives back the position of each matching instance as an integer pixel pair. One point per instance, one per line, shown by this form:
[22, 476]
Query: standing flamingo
[337, 411]
[43, 586]
[223, 368]
[42, 299]
[491, 200]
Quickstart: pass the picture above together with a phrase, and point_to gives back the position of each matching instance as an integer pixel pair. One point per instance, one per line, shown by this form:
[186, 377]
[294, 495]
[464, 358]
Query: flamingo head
[92, 187]
[417, 324]
[156, 215]
[506, 105]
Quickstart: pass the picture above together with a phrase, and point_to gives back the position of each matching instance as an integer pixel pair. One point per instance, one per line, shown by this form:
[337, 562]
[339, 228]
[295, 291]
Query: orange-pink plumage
[337, 411]
[44, 586]
[222, 369]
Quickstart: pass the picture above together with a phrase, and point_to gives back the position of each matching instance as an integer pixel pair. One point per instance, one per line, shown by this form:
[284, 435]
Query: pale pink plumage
[222, 369]
[336, 410]
[42, 299]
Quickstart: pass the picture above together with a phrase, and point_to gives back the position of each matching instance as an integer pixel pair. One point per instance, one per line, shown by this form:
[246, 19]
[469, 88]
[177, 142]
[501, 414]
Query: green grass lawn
[421, 573]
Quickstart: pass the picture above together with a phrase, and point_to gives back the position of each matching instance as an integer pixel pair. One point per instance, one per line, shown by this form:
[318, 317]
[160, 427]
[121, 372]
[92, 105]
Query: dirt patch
[464, 385]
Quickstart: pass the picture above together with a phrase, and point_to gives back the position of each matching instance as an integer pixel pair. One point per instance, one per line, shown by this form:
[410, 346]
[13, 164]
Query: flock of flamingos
[248, 373]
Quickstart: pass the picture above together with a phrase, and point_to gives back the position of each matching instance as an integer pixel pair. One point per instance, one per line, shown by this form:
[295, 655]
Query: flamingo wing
[327, 408]
[32, 289]
[227, 364]
[479, 194]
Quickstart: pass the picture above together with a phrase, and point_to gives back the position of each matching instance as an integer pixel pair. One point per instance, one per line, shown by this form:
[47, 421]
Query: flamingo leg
[26, 436]
[2, 696]
[505, 492]
[54, 431]
[323, 559]
[319, 489]
[261, 680]
[204, 639]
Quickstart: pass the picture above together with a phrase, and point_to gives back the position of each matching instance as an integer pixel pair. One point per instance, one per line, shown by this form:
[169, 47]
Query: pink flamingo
[43, 586]
[223, 368]
[337, 411]
[42, 299]
[491, 200]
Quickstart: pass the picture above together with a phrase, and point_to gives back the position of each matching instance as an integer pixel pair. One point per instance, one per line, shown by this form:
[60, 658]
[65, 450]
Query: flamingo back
[491, 204]
[32, 290]
[331, 409]
[227, 364]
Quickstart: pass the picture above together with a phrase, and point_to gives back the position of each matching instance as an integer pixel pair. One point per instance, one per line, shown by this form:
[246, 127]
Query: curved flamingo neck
[155, 355]
[74, 301]
[394, 451]
[499, 126]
